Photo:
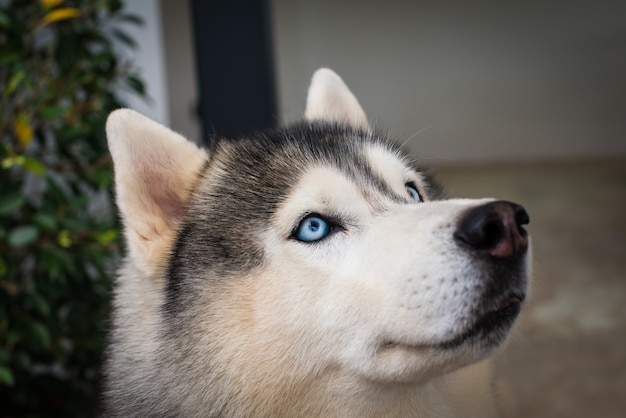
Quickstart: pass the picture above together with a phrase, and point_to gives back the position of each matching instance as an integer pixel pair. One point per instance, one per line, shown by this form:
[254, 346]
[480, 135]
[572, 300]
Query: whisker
[414, 135]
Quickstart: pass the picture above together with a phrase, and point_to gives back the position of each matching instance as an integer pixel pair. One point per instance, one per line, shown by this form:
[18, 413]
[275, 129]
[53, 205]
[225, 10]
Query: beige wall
[147, 60]
[182, 87]
[481, 80]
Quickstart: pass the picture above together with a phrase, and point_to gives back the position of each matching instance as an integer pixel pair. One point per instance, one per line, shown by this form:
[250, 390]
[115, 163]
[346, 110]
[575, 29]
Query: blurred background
[524, 101]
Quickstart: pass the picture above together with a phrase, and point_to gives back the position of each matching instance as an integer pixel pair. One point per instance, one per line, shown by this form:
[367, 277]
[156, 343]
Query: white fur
[329, 99]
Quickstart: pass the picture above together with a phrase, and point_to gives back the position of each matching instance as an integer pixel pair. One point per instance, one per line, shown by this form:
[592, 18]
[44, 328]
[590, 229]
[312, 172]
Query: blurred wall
[471, 80]
[458, 80]
[182, 86]
[148, 60]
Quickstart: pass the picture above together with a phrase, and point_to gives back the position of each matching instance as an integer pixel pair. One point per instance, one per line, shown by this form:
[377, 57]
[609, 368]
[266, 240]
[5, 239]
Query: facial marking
[325, 191]
[390, 167]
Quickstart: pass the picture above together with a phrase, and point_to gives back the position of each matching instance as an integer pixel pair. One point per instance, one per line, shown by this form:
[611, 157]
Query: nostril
[495, 228]
[493, 232]
[479, 229]
[521, 217]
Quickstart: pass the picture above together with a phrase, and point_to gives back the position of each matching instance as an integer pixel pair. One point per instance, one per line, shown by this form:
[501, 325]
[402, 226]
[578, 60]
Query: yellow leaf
[13, 161]
[64, 239]
[51, 3]
[107, 237]
[22, 129]
[60, 14]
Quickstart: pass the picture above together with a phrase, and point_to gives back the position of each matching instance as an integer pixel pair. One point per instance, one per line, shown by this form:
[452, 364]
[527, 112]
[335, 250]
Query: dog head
[316, 249]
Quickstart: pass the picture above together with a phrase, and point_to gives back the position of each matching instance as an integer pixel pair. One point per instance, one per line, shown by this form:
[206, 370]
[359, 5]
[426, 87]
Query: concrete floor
[567, 355]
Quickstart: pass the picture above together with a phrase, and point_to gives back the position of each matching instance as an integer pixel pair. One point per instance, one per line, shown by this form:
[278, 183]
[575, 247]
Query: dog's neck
[382, 400]
[333, 395]
[451, 395]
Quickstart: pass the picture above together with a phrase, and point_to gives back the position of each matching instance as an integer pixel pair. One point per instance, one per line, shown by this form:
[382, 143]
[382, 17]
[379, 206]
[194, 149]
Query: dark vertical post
[235, 66]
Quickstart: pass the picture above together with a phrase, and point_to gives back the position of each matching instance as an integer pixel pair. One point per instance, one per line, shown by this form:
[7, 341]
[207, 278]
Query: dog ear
[155, 169]
[329, 99]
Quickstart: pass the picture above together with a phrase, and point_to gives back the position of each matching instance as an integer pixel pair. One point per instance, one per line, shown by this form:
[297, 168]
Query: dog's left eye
[312, 228]
[411, 189]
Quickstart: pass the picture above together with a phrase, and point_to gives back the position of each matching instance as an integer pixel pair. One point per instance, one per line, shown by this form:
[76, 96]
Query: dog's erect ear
[155, 169]
[329, 99]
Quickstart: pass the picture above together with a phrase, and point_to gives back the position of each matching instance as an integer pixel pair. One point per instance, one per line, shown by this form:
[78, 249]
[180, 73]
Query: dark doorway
[235, 66]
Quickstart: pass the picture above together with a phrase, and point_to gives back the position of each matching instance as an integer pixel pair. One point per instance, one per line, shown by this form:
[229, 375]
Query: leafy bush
[59, 74]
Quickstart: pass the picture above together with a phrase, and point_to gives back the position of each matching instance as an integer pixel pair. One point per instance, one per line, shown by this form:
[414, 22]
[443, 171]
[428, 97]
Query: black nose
[495, 228]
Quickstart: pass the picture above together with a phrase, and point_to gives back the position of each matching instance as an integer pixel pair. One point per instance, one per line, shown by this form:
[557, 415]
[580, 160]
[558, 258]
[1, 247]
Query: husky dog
[310, 271]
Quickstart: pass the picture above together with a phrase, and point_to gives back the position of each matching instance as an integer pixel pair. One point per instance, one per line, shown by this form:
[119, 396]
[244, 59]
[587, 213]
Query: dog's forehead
[247, 181]
[390, 165]
[273, 163]
[374, 179]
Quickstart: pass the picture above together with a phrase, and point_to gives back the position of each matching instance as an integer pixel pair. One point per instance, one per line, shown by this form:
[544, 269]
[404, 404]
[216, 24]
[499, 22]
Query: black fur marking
[241, 188]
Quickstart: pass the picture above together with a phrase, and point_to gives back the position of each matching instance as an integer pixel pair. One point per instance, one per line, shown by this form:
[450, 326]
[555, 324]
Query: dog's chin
[491, 328]
[488, 331]
[418, 362]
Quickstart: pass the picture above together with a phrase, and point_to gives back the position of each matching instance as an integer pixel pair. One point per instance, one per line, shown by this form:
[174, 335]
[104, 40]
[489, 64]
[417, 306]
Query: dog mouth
[493, 325]
[489, 329]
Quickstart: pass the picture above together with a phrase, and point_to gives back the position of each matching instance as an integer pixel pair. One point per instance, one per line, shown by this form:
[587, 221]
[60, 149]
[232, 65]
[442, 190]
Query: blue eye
[413, 193]
[312, 228]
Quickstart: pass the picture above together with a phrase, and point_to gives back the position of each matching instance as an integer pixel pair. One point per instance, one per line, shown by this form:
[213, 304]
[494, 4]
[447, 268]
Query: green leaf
[40, 304]
[7, 57]
[11, 203]
[46, 221]
[115, 6]
[13, 336]
[5, 21]
[15, 80]
[40, 333]
[34, 166]
[77, 202]
[136, 84]
[102, 177]
[56, 261]
[29, 163]
[12, 161]
[125, 39]
[22, 235]
[22, 360]
[6, 376]
[105, 61]
[135, 19]
[107, 237]
[53, 112]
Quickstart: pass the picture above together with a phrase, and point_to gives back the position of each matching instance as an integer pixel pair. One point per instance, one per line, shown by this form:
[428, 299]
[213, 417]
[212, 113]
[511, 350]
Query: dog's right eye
[411, 189]
[312, 228]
